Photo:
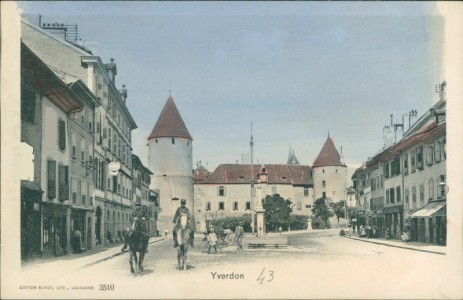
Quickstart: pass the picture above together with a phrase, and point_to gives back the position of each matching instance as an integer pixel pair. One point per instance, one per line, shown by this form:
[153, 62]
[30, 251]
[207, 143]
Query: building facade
[408, 182]
[143, 195]
[45, 203]
[95, 164]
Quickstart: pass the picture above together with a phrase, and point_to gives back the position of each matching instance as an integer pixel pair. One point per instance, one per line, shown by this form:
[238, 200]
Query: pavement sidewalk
[82, 260]
[423, 247]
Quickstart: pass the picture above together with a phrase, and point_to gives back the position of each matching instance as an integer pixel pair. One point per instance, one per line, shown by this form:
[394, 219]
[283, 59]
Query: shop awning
[430, 209]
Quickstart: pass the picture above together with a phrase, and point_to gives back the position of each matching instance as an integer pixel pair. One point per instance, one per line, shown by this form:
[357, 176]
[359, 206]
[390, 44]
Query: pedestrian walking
[363, 233]
[239, 234]
[77, 243]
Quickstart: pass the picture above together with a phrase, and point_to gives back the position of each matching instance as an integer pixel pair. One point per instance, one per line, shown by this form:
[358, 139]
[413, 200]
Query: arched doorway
[98, 226]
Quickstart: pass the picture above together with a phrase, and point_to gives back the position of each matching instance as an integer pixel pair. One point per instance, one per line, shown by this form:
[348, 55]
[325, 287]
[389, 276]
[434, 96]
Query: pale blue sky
[294, 69]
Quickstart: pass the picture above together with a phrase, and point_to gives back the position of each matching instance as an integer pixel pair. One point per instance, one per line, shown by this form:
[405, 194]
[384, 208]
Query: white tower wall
[172, 167]
[335, 178]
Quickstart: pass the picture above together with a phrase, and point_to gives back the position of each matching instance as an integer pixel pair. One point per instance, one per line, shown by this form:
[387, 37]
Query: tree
[340, 208]
[277, 211]
[321, 210]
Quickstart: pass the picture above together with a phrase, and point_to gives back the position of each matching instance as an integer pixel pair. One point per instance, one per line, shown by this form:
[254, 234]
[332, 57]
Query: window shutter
[429, 155]
[51, 184]
[63, 172]
[62, 134]
[419, 158]
[437, 153]
[115, 184]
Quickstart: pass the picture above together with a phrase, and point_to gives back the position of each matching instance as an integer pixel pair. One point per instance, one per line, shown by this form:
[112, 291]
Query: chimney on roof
[112, 70]
[123, 93]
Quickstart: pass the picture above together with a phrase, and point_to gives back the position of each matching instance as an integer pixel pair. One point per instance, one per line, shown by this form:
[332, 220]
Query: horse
[138, 242]
[183, 239]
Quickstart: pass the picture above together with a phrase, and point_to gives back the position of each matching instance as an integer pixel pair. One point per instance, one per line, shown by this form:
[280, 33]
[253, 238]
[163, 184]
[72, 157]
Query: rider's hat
[183, 201]
[137, 204]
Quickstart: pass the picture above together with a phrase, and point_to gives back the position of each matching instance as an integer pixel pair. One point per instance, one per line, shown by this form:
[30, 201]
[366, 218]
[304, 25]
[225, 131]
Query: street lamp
[444, 188]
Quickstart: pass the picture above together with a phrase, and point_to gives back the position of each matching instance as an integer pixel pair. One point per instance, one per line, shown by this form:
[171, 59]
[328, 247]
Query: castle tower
[170, 158]
[329, 174]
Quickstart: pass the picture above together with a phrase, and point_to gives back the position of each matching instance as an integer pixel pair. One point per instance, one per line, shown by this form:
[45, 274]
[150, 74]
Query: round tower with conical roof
[170, 158]
[329, 174]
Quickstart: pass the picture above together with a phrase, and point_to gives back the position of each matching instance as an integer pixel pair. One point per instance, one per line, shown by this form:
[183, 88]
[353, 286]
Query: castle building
[227, 191]
[170, 158]
[329, 174]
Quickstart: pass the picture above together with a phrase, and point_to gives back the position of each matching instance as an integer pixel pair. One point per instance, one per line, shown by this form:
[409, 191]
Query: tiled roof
[277, 174]
[427, 133]
[328, 156]
[170, 123]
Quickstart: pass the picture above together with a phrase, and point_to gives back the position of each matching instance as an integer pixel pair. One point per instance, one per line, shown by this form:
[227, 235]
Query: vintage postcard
[231, 150]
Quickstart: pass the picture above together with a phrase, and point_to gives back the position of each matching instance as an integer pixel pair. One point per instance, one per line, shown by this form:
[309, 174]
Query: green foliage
[339, 209]
[298, 222]
[321, 210]
[318, 223]
[277, 212]
[231, 222]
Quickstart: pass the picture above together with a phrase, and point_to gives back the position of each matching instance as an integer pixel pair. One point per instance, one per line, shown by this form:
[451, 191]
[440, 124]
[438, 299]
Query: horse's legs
[131, 261]
[178, 256]
[140, 261]
[185, 249]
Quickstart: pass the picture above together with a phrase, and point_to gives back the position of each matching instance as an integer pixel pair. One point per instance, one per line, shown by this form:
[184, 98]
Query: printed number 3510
[106, 287]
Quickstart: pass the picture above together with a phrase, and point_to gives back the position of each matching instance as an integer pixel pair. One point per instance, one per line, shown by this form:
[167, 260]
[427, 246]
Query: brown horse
[138, 243]
[183, 239]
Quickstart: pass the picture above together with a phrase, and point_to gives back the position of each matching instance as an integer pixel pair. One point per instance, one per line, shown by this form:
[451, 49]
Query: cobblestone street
[316, 264]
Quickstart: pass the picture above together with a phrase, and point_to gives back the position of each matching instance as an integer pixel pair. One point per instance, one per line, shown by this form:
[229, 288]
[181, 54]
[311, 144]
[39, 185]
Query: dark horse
[183, 239]
[138, 242]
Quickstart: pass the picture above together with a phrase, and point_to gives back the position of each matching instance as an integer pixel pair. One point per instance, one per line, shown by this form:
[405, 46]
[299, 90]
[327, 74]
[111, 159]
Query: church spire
[292, 159]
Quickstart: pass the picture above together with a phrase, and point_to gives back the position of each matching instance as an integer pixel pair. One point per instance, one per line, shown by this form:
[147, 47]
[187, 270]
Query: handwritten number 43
[261, 277]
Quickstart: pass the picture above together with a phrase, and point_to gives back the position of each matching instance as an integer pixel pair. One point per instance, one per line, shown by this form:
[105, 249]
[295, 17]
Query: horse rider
[182, 210]
[137, 213]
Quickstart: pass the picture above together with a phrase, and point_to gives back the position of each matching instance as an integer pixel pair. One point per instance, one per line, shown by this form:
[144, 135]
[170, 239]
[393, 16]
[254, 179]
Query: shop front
[393, 220]
[55, 241]
[31, 196]
[428, 224]
[82, 227]
[360, 219]
[377, 223]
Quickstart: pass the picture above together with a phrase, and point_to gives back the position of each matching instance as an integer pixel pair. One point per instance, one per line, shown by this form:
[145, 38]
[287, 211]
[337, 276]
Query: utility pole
[251, 144]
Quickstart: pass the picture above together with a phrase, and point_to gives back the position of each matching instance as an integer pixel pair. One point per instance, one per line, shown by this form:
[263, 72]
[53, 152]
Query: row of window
[222, 191]
[434, 152]
[80, 193]
[235, 207]
[393, 195]
[117, 145]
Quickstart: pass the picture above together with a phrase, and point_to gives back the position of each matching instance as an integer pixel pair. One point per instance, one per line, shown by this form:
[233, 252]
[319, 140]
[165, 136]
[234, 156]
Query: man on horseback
[182, 210]
[137, 213]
